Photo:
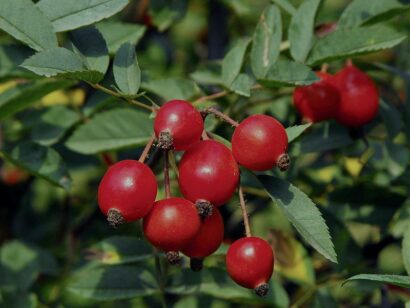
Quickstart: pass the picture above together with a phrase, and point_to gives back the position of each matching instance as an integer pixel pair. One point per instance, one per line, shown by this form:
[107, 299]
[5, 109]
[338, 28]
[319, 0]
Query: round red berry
[171, 224]
[208, 171]
[319, 101]
[260, 142]
[128, 188]
[209, 237]
[359, 97]
[250, 262]
[182, 121]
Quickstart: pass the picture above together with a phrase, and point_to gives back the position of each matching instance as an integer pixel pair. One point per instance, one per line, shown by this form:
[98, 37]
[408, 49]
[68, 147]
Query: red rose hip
[171, 224]
[359, 97]
[260, 142]
[319, 101]
[127, 191]
[208, 171]
[250, 262]
[207, 240]
[180, 121]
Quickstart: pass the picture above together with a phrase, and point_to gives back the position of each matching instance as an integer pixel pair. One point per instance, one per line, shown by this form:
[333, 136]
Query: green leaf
[40, 161]
[208, 73]
[172, 88]
[295, 131]
[127, 73]
[11, 56]
[345, 43]
[20, 264]
[323, 138]
[406, 250]
[217, 283]
[118, 33]
[397, 280]
[242, 85]
[302, 213]
[90, 44]
[22, 96]
[67, 15]
[111, 130]
[121, 250]
[359, 12]
[166, 12]
[301, 30]
[114, 283]
[60, 62]
[266, 41]
[286, 5]
[53, 125]
[25, 22]
[288, 73]
[232, 62]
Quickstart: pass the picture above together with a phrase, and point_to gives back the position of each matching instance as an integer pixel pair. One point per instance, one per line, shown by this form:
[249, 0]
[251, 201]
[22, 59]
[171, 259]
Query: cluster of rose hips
[350, 96]
[208, 176]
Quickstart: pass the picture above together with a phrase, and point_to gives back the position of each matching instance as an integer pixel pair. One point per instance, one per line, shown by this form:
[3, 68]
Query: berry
[319, 101]
[260, 142]
[359, 97]
[127, 191]
[208, 171]
[250, 262]
[171, 224]
[208, 238]
[180, 121]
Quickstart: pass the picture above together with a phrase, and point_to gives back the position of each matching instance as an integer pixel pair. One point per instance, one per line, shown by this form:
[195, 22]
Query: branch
[128, 100]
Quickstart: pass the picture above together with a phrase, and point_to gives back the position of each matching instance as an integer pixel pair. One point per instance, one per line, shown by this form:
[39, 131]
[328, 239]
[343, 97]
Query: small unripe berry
[182, 123]
[171, 224]
[249, 262]
[208, 171]
[127, 191]
[359, 97]
[319, 101]
[260, 143]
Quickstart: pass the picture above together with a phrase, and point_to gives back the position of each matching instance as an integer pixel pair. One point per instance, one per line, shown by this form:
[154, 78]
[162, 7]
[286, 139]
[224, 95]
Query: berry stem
[160, 278]
[220, 115]
[128, 100]
[148, 146]
[324, 68]
[167, 184]
[349, 62]
[107, 159]
[204, 135]
[244, 212]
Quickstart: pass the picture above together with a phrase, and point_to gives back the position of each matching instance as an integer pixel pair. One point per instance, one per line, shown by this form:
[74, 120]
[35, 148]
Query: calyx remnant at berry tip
[204, 207]
[165, 141]
[115, 218]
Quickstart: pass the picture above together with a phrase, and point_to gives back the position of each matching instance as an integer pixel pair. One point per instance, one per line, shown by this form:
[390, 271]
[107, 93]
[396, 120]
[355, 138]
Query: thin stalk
[244, 212]
[205, 135]
[160, 278]
[148, 146]
[128, 100]
[220, 94]
[221, 115]
[167, 184]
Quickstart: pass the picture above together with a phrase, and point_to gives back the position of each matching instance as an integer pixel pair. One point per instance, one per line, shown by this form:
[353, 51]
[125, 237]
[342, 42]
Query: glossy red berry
[260, 142]
[209, 237]
[208, 171]
[319, 101]
[250, 262]
[171, 224]
[359, 97]
[127, 191]
[182, 121]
